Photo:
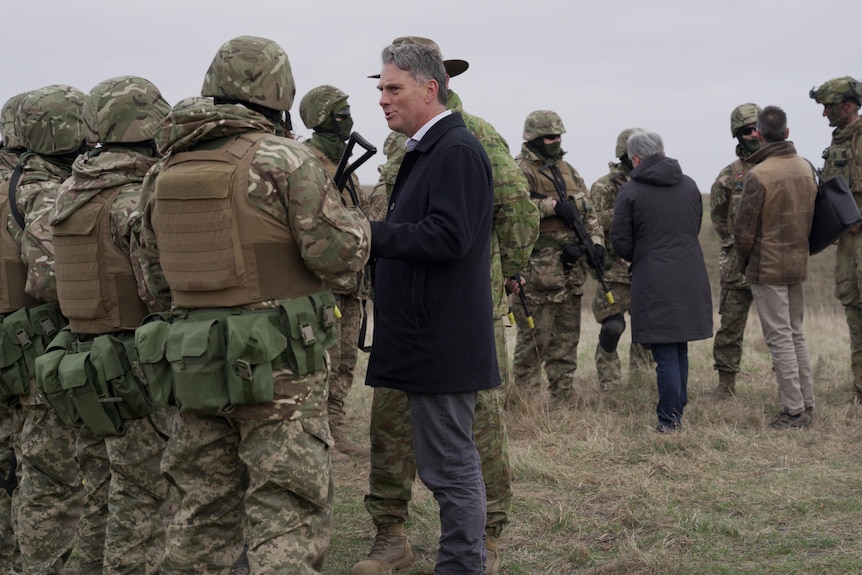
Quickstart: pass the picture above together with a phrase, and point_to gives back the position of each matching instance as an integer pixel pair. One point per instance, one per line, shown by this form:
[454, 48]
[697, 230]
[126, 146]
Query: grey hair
[772, 124]
[644, 144]
[421, 61]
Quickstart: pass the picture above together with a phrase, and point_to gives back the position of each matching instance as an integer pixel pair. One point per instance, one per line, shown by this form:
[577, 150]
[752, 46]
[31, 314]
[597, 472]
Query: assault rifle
[342, 178]
[345, 170]
[552, 172]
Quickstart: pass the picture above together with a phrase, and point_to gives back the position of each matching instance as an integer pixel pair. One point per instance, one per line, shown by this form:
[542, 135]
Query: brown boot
[391, 551]
[492, 557]
[347, 447]
[726, 387]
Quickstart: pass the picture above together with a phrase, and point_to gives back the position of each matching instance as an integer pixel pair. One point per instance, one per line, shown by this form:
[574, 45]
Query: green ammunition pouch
[92, 383]
[212, 360]
[152, 367]
[24, 336]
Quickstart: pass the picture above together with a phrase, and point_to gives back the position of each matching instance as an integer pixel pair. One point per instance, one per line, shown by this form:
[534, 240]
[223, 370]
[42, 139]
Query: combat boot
[390, 552]
[726, 387]
[346, 447]
[492, 557]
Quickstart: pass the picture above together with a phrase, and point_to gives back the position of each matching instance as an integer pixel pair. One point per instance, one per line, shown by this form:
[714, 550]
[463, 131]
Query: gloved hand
[600, 255]
[566, 211]
[571, 254]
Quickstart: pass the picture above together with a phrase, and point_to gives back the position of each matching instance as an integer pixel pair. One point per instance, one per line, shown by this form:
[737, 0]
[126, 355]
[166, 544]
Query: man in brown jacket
[771, 233]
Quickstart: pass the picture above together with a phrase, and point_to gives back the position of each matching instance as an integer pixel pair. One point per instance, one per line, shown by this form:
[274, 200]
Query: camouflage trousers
[10, 560]
[126, 497]
[608, 367]
[393, 465]
[848, 290]
[50, 496]
[272, 477]
[553, 344]
[342, 358]
[727, 346]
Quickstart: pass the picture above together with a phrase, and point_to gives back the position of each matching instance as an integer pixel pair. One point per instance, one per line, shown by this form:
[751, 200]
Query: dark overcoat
[656, 222]
[433, 315]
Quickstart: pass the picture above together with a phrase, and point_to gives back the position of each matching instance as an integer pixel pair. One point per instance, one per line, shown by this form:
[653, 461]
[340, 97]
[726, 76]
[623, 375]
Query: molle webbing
[215, 248]
[13, 272]
[95, 283]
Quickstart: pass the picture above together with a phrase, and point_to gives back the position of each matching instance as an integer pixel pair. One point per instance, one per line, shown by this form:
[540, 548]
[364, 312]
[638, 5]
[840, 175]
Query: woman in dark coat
[656, 222]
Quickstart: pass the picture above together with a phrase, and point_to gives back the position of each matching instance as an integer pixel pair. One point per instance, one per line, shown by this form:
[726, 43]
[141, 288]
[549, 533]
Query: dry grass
[597, 491]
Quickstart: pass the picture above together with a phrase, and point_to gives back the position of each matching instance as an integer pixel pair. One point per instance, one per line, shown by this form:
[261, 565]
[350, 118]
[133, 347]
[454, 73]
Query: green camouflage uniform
[8, 545]
[345, 353]
[553, 294]
[50, 498]
[265, 464]
[735, 300]
[603, 197]
[121, 472]
[393, 465]
[844, 157]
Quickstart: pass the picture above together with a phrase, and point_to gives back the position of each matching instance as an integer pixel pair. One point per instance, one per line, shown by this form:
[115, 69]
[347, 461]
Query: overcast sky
[676, 67]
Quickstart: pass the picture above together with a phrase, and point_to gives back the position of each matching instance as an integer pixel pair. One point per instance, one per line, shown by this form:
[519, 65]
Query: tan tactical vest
[96, 286]
[546, 188]
[215, 248]
[13, 272]
[844, 158]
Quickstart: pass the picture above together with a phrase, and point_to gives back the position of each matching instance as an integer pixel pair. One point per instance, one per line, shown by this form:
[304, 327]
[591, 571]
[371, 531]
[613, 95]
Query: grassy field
[597, 491]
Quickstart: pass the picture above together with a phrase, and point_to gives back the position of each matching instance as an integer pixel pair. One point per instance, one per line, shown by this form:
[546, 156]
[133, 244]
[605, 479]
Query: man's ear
[431, 88]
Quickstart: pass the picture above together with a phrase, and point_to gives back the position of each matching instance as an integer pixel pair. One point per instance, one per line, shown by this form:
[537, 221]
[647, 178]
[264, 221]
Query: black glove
[566, 211]
[600, 255]
[571, 253]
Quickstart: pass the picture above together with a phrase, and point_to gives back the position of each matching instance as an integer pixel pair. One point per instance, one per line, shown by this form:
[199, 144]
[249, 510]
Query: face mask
[626, 161]
[344, 127]
[554, 150]
[750, 145]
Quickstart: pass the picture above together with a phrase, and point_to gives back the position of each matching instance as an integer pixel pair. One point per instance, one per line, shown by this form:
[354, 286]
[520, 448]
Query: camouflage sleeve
[719, 204]
[37, 247]
[333, 239]
[378, 201]
[144, 251]
[516, 218]
[603, 197]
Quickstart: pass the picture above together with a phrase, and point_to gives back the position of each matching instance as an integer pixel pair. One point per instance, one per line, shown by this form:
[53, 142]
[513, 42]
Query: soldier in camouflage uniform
[736, 295]
[10, 151]
[603, 196]
[556, 271]
[261, 460]
[50, 498]
[325, 110]
[122, 115]
[393, 465]
[841, 98]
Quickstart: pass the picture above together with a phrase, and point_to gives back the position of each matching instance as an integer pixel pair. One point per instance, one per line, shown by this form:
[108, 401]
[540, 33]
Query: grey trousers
[449, 465]
[780, 308]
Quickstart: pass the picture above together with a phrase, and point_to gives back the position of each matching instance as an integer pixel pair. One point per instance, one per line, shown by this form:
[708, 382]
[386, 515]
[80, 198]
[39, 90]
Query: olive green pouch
[109, 357]
[14, 378]
[153, 368]
[48, 379]
[254, 342]
[96, 407]
[196, 352]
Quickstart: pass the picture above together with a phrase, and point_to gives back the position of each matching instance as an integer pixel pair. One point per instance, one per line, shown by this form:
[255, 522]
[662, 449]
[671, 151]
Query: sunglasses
[747, 131]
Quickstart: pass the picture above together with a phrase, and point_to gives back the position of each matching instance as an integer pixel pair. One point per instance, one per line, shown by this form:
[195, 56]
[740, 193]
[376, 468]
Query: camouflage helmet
[315, 106]
[7, 122]
[251, 69]
[743, 115]
[622, 139]
[542, 123]
[837, 90]
[124, 109]
[50, 120]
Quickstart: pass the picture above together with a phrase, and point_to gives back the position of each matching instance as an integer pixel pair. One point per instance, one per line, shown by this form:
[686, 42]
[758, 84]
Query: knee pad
[612, 329]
